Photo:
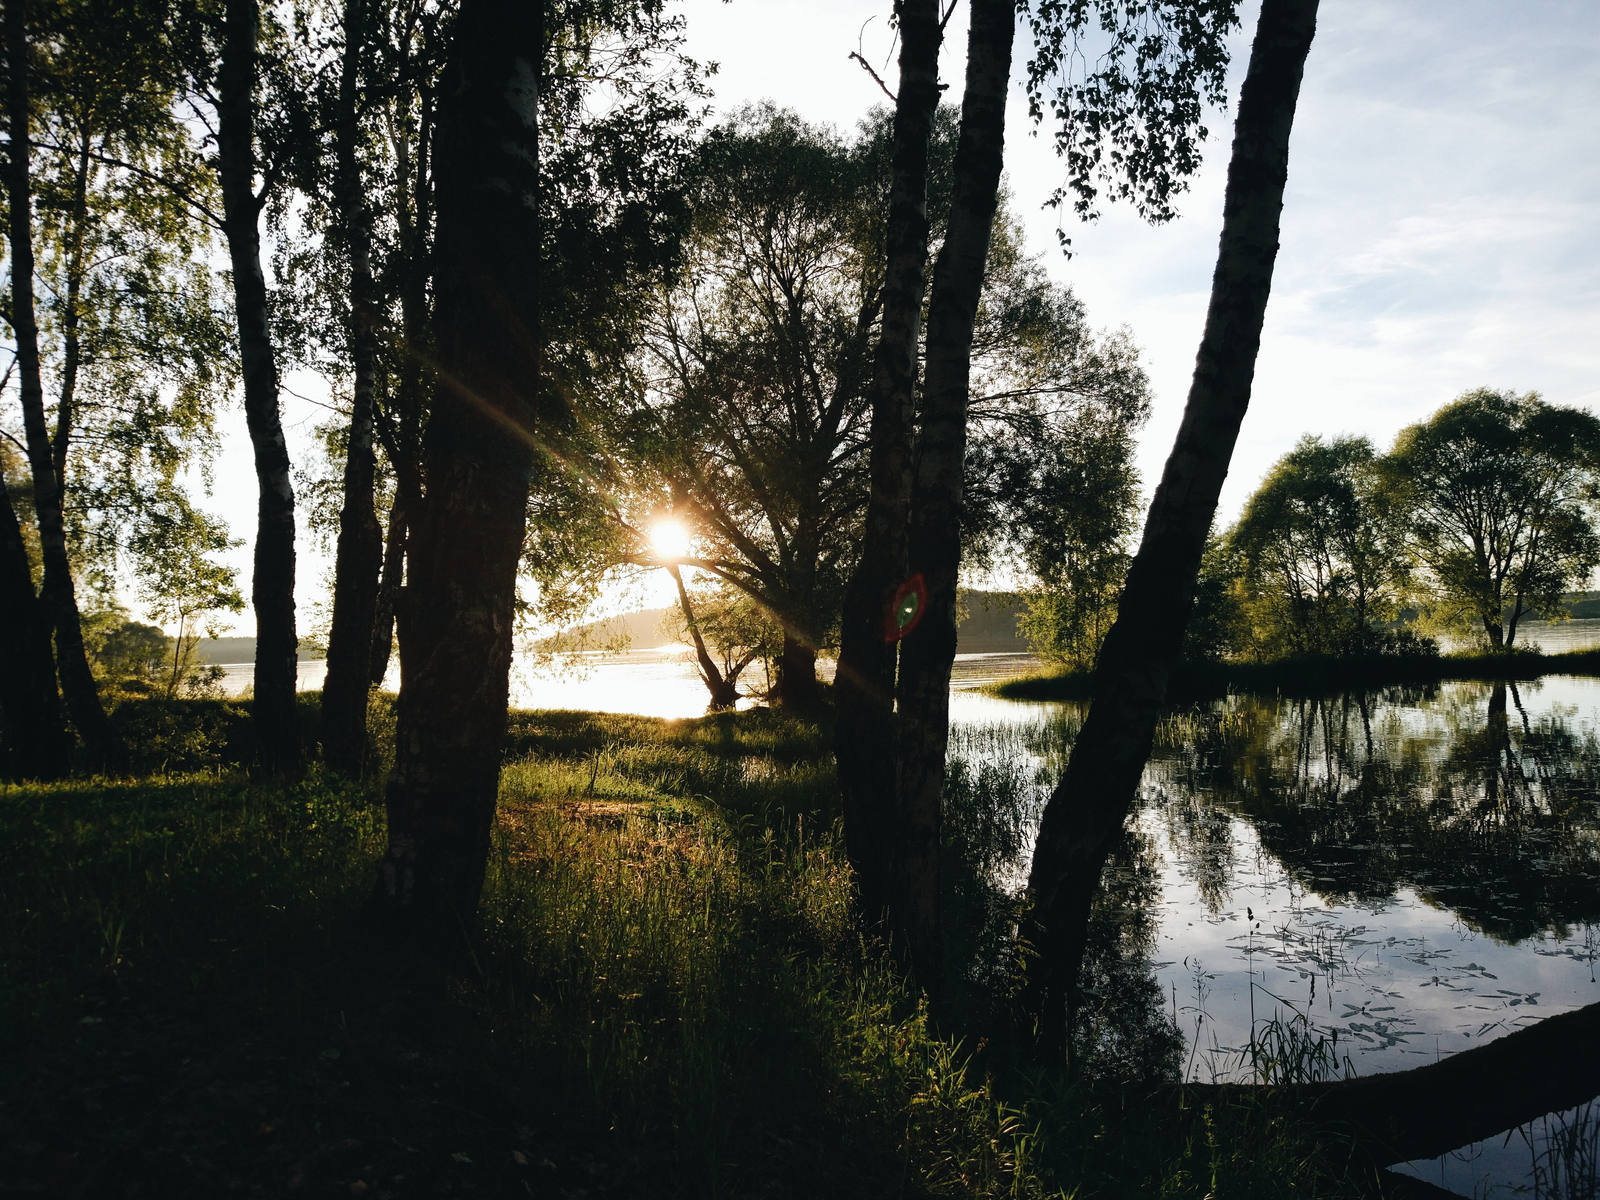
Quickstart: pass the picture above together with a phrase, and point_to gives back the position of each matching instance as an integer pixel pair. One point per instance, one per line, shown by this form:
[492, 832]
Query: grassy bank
[667, 998]
[1315, 677]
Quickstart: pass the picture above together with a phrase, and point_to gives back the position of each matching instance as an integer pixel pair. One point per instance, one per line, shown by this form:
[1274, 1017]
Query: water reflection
[1414, 870]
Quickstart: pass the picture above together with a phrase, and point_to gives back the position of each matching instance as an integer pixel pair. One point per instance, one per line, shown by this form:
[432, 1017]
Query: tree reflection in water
[1414, 868]
[995, 789]
[1362, 796]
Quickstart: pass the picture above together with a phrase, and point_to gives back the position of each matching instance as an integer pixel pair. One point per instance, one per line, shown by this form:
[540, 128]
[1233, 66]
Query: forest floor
[1310, 677]
[665, 997]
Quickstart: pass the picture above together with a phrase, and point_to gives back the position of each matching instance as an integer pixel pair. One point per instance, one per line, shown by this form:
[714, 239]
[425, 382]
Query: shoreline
[1315, 677]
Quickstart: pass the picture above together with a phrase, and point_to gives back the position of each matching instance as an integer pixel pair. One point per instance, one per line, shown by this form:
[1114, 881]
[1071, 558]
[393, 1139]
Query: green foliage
[1127, 82]
[136, 350]
[735, 629]
[181, 584]
[1049, 476]
[751, 412]
[749, 416]
[1060, 482]
[1216, 623]
[1498, 492]
[665, 947]
[1321, 556]
[612, 214]
[127, 658]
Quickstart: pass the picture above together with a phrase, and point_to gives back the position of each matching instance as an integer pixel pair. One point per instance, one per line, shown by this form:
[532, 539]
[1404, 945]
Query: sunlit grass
[666, 950]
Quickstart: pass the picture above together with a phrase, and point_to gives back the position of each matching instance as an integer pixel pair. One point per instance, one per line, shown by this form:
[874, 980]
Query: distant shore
[1312, 677]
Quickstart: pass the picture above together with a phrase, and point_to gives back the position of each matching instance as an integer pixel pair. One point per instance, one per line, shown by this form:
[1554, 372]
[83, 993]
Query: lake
[1402, 874]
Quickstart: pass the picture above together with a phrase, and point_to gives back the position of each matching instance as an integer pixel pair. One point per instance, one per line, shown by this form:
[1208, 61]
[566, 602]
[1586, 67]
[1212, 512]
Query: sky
[1441, 227]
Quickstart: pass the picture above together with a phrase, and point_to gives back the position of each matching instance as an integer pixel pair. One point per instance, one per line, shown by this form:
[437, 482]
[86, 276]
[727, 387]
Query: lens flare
[669, 539]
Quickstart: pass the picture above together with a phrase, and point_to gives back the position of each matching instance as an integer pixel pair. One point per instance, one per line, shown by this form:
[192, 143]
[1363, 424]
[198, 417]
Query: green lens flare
[907, 611]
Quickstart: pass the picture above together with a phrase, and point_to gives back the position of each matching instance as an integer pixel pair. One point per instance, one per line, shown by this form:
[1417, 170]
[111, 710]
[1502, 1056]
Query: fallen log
[1422, 1113]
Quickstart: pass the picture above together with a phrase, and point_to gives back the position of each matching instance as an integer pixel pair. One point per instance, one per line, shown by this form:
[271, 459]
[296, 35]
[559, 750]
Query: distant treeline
[988, 625]
[231, 650]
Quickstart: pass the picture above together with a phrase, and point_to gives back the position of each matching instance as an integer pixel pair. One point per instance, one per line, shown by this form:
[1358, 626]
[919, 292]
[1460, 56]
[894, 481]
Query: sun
[669, 539]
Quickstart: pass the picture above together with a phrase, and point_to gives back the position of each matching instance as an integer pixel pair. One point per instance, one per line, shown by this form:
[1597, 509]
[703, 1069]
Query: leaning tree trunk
[272, 584]
[1085, 815]
[58, 595]
[927, 655]
[360, 553]
[863, 686]
[724, 694]
[458, 611]
[36, 737]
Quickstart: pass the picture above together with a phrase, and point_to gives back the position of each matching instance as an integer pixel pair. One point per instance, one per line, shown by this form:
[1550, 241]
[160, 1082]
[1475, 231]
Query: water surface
[1398, 875]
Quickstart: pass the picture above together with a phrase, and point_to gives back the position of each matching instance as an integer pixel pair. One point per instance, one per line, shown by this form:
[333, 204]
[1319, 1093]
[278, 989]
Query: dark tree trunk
[72, 317]
[36, 737]
[403, 420]
[457, 614]
[1086, 813]
[58, 595]
[360, 555]
[796, 685]
[927, 655]
[394, 566]
[1496, 633]
[272, 584]
[724, 695]
[863, 688]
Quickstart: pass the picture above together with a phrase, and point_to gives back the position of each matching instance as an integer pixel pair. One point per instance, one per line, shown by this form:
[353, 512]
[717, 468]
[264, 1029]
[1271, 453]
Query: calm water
[1410, 872]
[1416, 869]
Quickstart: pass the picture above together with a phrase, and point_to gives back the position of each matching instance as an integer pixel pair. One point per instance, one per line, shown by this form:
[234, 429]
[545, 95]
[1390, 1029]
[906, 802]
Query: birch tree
[1087, 810]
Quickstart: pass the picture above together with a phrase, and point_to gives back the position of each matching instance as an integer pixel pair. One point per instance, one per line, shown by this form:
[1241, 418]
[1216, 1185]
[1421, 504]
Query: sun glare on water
[669, 539]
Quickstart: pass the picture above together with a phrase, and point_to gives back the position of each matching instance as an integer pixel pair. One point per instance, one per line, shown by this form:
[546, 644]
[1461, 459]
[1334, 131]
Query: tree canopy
[1498, 493]
[1321, 553]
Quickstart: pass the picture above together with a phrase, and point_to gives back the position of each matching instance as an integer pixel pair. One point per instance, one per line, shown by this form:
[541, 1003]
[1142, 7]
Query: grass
[1315, 677]
[668, 997]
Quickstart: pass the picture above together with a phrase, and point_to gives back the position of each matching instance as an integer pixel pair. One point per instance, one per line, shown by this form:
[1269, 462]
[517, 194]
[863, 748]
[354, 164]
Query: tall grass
[665, 953]
[672, 914]
[104, 878]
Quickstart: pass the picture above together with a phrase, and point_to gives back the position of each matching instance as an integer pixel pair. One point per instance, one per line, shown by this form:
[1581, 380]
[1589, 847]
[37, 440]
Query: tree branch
[878, 79]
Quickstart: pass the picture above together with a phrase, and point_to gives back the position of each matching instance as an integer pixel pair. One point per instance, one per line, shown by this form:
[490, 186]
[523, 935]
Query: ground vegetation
[666, 944]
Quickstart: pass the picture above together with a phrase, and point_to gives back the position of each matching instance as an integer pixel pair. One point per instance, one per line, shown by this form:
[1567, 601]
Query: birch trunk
[272, 584]
[927, 655]
[457, 614]
[360, 552]
[864, 685]
[1085, 815]
[58, 595]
